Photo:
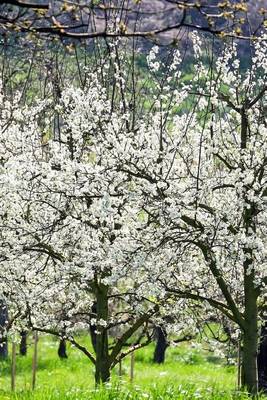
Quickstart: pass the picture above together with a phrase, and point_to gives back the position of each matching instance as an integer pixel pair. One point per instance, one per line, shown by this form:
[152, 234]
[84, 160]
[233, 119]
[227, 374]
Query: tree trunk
[249, 364]
[62, 349]
[3, 323]
[102, 365]
[161, 345]
[23, 343]
[262, 359]
[93, 329]
[250, 337]
[250, 331]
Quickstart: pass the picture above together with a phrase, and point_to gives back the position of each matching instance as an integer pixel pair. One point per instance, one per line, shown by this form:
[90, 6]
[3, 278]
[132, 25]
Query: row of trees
[138, 198]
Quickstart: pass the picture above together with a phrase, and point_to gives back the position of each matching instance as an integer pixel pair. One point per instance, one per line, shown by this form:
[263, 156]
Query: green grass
[188, 373]
[134, 393]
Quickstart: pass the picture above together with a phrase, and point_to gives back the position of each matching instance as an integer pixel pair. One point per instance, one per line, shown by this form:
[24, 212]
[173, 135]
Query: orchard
[133, 201]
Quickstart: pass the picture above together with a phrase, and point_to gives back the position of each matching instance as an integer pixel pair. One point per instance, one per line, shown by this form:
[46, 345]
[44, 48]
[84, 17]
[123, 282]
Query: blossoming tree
[204, 192]
[130, 206]
[70, 255]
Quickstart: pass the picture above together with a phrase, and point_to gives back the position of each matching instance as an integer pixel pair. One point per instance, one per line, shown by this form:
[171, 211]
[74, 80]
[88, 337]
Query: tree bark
[250, 331]
[102, 365]
[249, 364]
[161, 345]
[23, 343]
[13, 367]
[34, 360]
[3, 323]
[262, 359]
[250, 337]
[62, 349]
[93, 329]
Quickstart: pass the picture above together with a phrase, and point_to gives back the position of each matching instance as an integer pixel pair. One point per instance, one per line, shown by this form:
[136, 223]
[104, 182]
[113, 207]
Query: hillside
[87, 18]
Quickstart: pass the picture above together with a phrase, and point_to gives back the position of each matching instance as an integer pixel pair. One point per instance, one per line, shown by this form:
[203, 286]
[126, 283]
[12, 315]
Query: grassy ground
[188, 373]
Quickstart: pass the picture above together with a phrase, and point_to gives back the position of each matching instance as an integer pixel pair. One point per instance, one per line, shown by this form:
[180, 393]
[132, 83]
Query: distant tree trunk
[262, 359]
[62, 349]
[3, 323]
[23, 343]
[161, 345]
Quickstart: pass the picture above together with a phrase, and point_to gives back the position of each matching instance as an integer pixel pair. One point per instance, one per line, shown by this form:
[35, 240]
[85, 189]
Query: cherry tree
[131, 208]
[68, 227]
[203, 183]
